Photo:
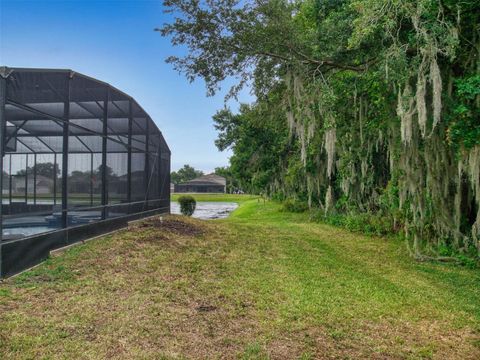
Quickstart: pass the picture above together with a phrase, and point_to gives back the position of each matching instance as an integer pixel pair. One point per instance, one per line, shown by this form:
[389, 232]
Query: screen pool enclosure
[79, 158]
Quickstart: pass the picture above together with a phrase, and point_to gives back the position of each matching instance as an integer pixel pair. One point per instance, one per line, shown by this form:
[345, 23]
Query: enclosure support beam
[15, 132]
[44, 143]
[3, 94]
[147, 165]
[35, 179]
[66, 117]
[28, 147]
[129, 159]
[55, 166]
[160, 183]
[91, 179]
[104, 153]
[10, 180]
[26, 179]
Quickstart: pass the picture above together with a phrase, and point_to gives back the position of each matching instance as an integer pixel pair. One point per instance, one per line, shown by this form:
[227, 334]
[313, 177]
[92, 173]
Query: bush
[366, 223]
[187, 205]
[295, 206]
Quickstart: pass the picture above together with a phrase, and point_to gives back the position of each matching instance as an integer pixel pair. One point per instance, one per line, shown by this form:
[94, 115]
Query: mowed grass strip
[238, 198]
[262, 284]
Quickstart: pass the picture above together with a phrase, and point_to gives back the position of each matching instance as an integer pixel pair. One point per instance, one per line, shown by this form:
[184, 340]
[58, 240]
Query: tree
[362, 106]
[47, 169]
[249, 40]
[232, 183]
[184, 174]
[259, 140]
[43, 169]
[98, 173]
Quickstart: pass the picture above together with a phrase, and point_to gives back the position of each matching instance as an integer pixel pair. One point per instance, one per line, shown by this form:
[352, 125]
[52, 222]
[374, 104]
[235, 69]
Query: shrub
[366, 223]
[295, 206]
[187, 205]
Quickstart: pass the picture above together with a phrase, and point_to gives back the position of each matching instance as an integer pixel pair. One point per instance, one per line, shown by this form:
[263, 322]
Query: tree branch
[328, 63]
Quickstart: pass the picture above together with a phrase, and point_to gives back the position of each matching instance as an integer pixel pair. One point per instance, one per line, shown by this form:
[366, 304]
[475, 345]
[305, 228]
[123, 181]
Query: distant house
[43, 184]
[210, 183]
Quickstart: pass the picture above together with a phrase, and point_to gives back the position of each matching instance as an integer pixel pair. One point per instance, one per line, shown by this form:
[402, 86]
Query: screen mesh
[76, 151]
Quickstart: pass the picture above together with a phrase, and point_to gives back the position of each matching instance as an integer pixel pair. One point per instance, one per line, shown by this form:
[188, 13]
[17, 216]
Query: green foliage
[187, 205]
[464, 129]
[467, 260]
[259, 140]
[186, 173]
[233, 184]
[364, 223]
[294, 205]
[368, 110]
[43, 169]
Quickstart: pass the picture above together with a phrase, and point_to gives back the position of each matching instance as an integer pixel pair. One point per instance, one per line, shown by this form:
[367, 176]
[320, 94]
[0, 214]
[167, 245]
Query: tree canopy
[362, 106]
[184, 174]
[43, 169]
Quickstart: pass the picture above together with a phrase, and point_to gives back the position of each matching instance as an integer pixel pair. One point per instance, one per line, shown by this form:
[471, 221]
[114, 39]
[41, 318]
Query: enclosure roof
[6, 71]
[35, 110]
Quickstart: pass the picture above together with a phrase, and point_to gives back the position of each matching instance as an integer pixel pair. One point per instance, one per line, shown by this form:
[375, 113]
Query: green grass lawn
[262, 284]
[239, 198]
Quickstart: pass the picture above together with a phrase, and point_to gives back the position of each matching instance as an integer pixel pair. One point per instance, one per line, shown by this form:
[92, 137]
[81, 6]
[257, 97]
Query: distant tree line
[47, 169]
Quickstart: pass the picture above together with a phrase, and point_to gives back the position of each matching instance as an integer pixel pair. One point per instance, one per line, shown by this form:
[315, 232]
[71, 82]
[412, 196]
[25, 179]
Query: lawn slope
[261, 284]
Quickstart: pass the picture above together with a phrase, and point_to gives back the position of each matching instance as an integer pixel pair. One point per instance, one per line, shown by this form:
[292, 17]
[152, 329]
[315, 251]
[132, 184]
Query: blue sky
[114, 41]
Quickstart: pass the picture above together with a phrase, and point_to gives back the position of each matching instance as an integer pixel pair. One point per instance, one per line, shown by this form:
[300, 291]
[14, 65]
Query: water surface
[207, 210]
[32, 225]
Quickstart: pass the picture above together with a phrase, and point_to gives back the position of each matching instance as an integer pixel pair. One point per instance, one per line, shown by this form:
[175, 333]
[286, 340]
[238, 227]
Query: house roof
[210, 179]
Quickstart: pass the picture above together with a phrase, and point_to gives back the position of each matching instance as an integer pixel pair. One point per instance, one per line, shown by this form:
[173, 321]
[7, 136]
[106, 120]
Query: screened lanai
[79, 157]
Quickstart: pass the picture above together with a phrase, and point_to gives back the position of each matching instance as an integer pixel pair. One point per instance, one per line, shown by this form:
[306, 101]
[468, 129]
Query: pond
[207, 210]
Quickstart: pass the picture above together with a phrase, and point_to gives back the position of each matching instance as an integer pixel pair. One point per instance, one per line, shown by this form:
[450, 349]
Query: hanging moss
[365, 107]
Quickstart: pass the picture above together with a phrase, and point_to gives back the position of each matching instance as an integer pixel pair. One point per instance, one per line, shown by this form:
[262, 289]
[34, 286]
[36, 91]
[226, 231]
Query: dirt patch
[165, 226]
[206, 308]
